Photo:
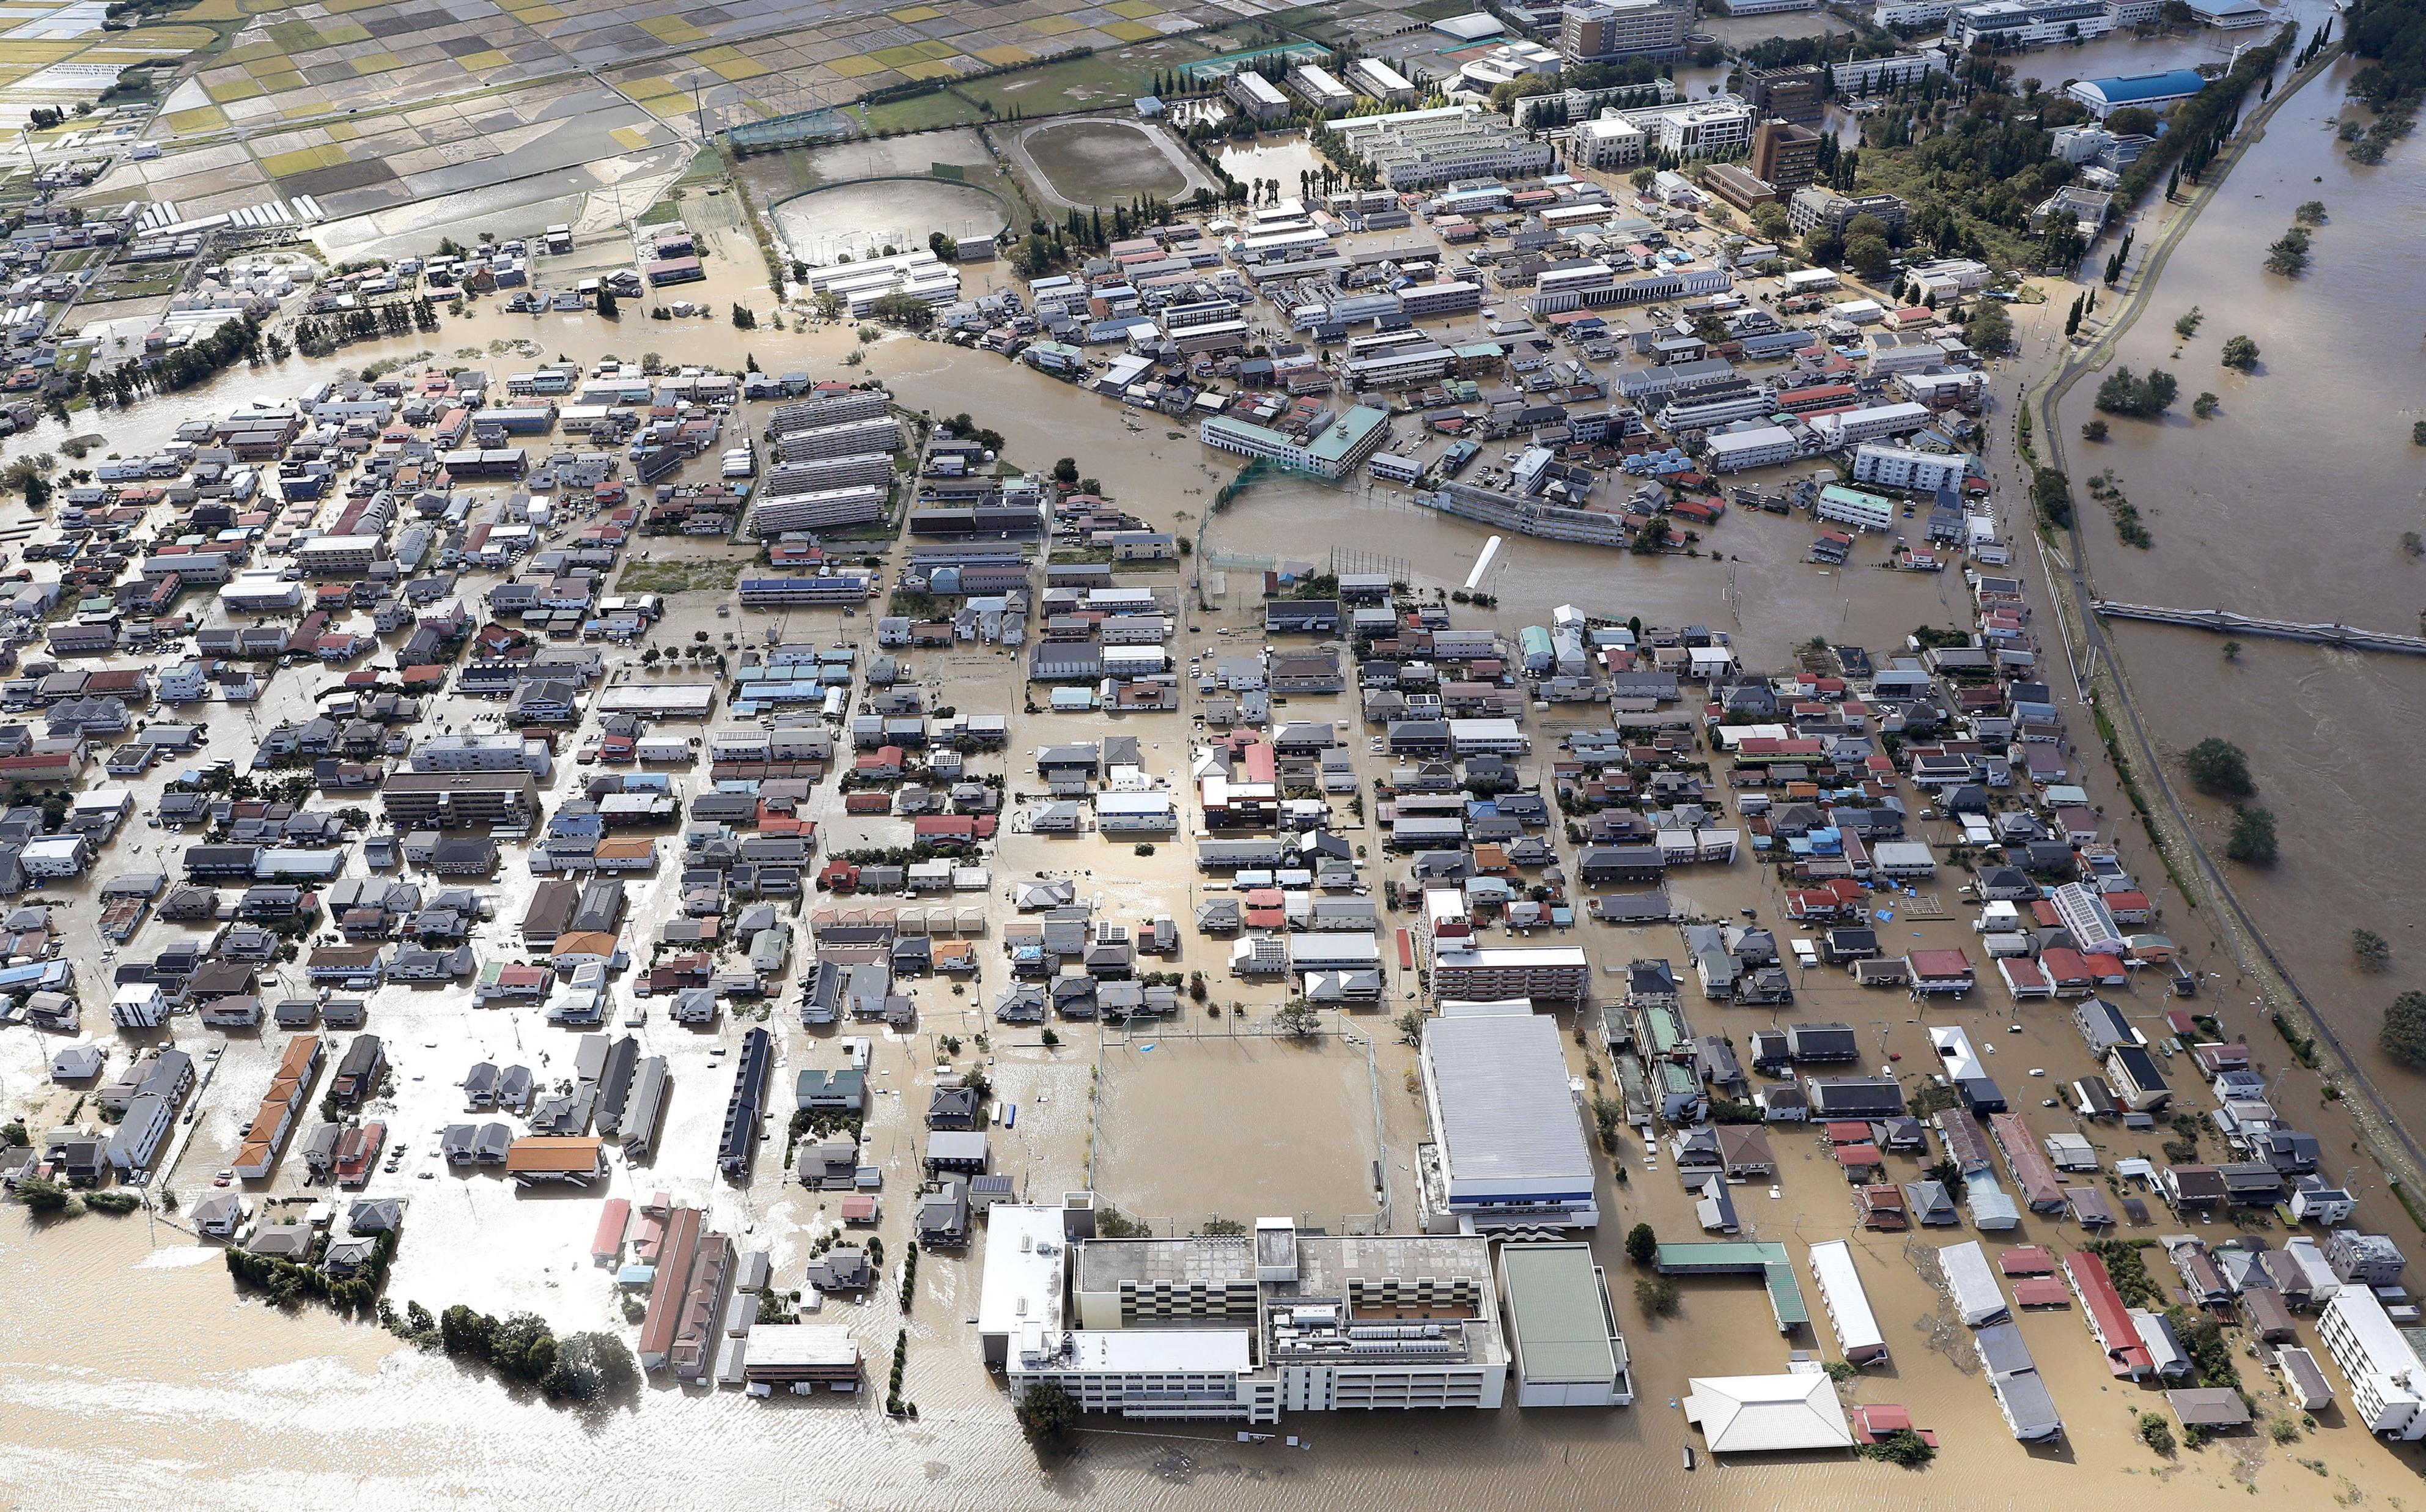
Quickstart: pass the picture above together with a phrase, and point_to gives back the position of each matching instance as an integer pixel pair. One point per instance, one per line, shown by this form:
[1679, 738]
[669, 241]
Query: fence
[803, 129]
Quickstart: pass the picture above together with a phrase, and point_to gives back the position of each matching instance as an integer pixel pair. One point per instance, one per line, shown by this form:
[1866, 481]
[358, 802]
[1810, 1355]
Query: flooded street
[2291, 504]
[186, 1390]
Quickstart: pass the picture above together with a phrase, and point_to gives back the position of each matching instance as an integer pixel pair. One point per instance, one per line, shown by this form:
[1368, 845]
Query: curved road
[2396, 1148]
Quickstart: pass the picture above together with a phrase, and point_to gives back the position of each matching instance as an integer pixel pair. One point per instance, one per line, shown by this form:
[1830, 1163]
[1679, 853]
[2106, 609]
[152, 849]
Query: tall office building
[1785, 155]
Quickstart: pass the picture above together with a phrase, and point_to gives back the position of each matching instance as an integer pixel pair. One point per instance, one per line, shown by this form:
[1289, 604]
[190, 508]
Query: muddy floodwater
[125, 1349]
[860, 220]
[2291, 504]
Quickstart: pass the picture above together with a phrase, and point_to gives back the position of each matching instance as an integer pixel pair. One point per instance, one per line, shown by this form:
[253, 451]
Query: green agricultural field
[1106, 79]
[920, 112]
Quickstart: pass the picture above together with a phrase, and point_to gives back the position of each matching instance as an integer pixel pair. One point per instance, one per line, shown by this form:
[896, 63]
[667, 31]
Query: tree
[1410, 1026]
[1642, 1245]
[1902, 1447]
[905, 310]
[1990, 330]
[742, 317]
[1065, 472]
[463, 1331]
[2122, 392]
[606, 310]
[1298, 1019]
[2402, 1037]
[1821, 244]
[2205, 405]
[2289, 256]
[2132, 121]
[1658, 1295]
[42, 1194]
[2093, 431]
[1770, 220]
[2188, 325]
[2217, 766]
[1642, 178]
[2311, 213]
[2072, 318]
[2253, 840]
[2156, 1433]
[1049, 1415]
[2239, 353]
[2373, 950]
[591, 1367]
[831, 304]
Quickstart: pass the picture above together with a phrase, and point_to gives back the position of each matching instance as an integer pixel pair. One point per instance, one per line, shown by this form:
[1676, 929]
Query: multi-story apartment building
[2013, 26]
[1599, 31]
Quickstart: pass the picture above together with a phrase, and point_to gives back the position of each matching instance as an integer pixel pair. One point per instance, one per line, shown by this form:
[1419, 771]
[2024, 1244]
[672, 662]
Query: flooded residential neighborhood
[975, 755]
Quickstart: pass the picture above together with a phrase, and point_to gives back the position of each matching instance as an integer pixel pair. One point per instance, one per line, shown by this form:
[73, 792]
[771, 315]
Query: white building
[1754, 446]
[1608, 140]
[1853, 427]
[1756, 1414]
[1864, 512]
[138, 1005]
[1507, 1147]
[1847, 1305]
[1972, 1281]
[1922, 472]
[1248, 1327]
[2012, 24]
[1255, 96]
[483, 753]
[1375, 79]
[918, 273]
[2385, 1375]
[1322, 92]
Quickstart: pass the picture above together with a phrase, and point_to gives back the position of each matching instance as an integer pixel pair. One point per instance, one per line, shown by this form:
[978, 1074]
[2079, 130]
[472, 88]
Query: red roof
[2108, 1319]
[1939, 964]
[1857, 1154]
[1849, 1132]
[2026, 1260]
[2040, 1292]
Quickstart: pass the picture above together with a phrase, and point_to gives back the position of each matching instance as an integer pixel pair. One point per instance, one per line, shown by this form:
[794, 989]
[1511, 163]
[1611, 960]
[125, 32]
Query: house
[959, 1151]
[943, 1215]
[955, 1108]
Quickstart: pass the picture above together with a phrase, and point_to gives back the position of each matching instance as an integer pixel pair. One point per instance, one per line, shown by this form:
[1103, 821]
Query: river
[2291, 504]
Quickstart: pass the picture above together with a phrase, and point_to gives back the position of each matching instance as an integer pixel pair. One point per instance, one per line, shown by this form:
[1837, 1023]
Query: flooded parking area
[1196, 1125]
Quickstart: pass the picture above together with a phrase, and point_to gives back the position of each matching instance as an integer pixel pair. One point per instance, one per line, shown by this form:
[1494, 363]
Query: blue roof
[2173, 84]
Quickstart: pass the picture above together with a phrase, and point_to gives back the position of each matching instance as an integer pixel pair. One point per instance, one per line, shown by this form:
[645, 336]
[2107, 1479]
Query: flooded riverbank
[2290, 503]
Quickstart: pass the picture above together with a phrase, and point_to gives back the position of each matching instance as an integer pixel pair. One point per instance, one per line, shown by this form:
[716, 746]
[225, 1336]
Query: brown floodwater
[2291, 504]
[166, 1358]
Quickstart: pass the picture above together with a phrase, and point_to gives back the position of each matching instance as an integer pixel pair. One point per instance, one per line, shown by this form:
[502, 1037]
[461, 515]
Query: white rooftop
[1758, 1414]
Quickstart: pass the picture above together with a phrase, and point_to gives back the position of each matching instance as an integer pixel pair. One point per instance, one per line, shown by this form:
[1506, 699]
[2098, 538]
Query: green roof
[1342, 436]
[1557, 1309]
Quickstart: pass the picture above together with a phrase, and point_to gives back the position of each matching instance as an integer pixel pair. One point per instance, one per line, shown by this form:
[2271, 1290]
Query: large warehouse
[1507, 1150]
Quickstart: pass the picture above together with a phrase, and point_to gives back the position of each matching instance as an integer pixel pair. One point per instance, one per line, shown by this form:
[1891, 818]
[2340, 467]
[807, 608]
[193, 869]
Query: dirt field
[1101, 160]
[1188, 1129]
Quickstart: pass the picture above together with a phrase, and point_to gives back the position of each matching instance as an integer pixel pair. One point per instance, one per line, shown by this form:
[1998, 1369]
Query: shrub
[2403, 1036]
[2093, 431]
[2373, 950]
[2156, 1433]
[1901, 1447]
[2239, 353]
[2253, 840]
[1658, 1295]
